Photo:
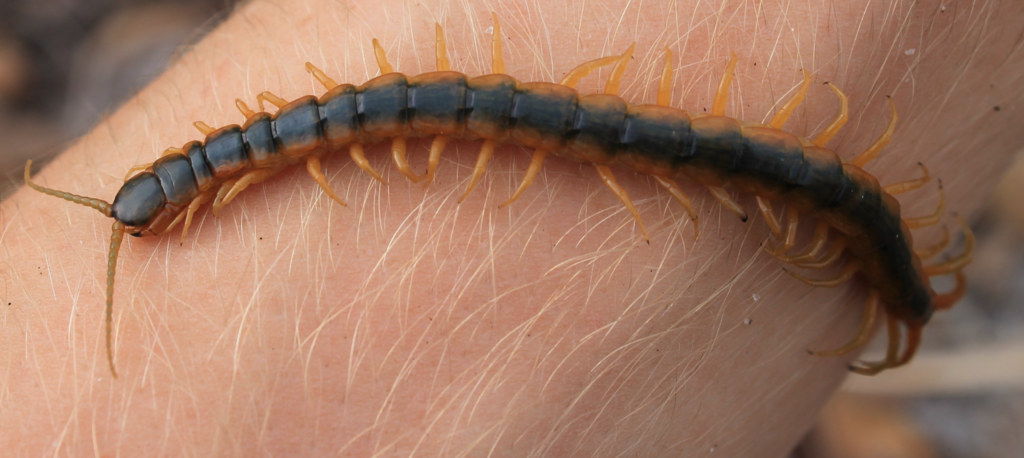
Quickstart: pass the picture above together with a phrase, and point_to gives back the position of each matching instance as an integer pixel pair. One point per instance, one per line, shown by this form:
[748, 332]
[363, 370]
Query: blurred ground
[65, 63]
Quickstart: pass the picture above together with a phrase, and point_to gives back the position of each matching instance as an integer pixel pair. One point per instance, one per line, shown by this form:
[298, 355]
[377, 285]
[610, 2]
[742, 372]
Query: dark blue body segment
[818, 184]
[772, 161]
[717, 146]
[139, 200]
[382, 106]
[339, 119]
[599, 127]
[437, 102]
[655, 136]
[296, 127]
[175, 175]
[259, 140]
[225, 151]
[489, 106]
[543, 115]
[200, 169]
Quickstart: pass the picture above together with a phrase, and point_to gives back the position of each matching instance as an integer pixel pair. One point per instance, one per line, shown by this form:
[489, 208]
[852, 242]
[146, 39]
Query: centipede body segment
[856, 216]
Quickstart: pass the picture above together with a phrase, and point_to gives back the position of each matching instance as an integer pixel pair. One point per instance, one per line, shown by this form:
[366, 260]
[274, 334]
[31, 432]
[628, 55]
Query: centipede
[858, 221]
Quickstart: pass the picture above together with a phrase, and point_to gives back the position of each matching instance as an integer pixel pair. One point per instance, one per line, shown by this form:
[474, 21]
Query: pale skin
[408, 324]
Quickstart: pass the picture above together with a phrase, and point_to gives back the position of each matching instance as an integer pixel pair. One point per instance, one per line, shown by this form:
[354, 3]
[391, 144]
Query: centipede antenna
[441, 50]
[612, 87]
[497, 62]
[100, 205]
[722, 96]
[665, 87]
[321, 76]
[840, 121]
[382, 58]
[115, 247]
[872, 151]
[784, 113]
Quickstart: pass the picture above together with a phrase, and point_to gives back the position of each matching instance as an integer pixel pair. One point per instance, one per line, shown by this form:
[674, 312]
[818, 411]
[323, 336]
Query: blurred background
[64, 64]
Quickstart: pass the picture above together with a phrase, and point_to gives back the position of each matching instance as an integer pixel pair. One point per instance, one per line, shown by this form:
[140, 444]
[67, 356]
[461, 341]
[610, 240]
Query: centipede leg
[612, 86]
[203, 128]
[722, 196]
[784, 113]
[722, 95]
[844, 275]
[929, 252]
[239, 185]
[497, 63]
[910, 185]
[959, 262]
[683, 200]
[934, 218]
[441, 50]
[863, 333]
[321, 76]
[946, 301]
[832, 255]
[244, 109]
[382, 58]
[892, 353]
[840, 121]
[789, 240]
[572, 78]
[355, 150]
[116, 237]
[609, 180]
[267, 96]
[531, 172]
[813, 248]
[665, 87]
[436, 147]
[192, 208]
[398, 154]
[221, 192]
[765, 206]
[486, 151]
[313, 167]
[863, 158]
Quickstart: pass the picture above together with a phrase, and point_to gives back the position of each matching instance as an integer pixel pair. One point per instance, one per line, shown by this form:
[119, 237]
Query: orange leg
[892, 353]
[531, 172]
[959, 262]
[832, 255]
[270, 97]
[436, 147]
[244, 109]
[910, 185]
[844, 275]
[722, 196]
[612, 86]
[321, 76]
[665, 87]
[792, 224]
[863, 333]
[722, 95]
[398, 154]
[574, 76]
[609, 180]
[486, 151]
[683, 200]
[872, 152]
[238, 186]
[221, 192]
[813, 248]
[913, 343]
[355, 150]
[832, 129]
[382, 58]
[204, 128]
[313, 167]
[192, 207]
[765, 206]
[441, 50]
[136, 168]
[929, 252]
[780, 118]
[946, 301]
[497, 63]
[934, 218]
